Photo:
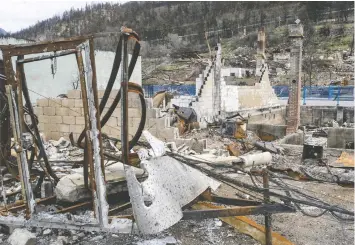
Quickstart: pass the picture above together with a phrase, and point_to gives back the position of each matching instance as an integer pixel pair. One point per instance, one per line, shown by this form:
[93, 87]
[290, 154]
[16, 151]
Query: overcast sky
[18, 14]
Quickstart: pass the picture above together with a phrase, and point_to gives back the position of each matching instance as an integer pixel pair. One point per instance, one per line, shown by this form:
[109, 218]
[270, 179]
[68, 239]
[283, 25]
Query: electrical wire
[310, 201]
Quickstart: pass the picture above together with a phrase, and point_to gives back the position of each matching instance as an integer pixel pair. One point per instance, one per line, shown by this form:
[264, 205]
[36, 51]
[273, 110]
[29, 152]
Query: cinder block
[152, 113]
[64, 128]
[168, 134]
[152, 123]
[47, 128]
[112, 121]
[136, 122]
[49, 111]
[68, 120]
[75, 112]
[43, 119]
[116, 113]
[38, 111]
[62, 111]
[160, 123]
[77, 129]
[55, 103]
[68, 103]
[113, 93]
[42, 102]
[106, 130]
[100, 93]
[55, 135]
[79, 120]
[55, 119]
[134, 112]
[78, 103]
[108, 103]
[74, 94]
[40, 126]
[51, 127]
[115, 132]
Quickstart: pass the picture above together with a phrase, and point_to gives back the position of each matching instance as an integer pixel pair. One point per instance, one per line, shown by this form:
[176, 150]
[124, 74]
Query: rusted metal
[19, 72]
[209, 196]
[234, 149]
[124, 103]
[236, 211]
[20, 205]
[88, 148]
[233, 201]
[27, 193]
[120, 208]
[101, 206]
[4, 119]
[75, 207]
[268, 237]
[246, 225]
[24, 89]
[44, 57]
[96, 100]
[41, 47]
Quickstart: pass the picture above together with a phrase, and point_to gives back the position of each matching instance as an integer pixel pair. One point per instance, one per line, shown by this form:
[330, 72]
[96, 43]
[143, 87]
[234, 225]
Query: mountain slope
[154, 21]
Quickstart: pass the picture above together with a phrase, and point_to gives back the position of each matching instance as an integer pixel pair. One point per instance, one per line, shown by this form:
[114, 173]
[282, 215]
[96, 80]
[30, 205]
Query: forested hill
[155, 20]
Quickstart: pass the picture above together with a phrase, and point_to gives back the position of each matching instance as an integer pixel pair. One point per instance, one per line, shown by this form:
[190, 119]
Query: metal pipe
[87, 144]
[268, 233]
[45, 57]
[24, 173]
[26, 95]
[124, 105]
[101, 209]
[97, 103]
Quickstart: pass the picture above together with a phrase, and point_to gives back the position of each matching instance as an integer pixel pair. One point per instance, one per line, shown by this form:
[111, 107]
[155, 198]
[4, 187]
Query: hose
[131, 87]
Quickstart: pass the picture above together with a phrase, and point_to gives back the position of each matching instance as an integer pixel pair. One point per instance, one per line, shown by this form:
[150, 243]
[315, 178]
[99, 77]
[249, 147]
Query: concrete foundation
[339, 137]
[268, 132]
[321, 115]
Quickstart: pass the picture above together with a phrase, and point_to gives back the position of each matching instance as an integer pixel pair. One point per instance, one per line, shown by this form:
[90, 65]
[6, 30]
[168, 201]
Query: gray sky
[18, 14]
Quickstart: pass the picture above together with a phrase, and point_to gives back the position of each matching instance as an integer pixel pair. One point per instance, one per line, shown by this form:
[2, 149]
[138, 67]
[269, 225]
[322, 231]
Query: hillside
[171, 29]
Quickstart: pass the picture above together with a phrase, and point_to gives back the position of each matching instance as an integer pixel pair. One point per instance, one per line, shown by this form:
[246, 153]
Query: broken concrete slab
[71, 188]
[267, 146]
[22, 237]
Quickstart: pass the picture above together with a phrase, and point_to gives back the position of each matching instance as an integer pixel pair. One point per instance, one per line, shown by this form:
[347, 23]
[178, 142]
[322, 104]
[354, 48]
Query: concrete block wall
[204, 105]
[272, 117]
[320, 115]
[339, 137]
[256, 96]
[59, 117]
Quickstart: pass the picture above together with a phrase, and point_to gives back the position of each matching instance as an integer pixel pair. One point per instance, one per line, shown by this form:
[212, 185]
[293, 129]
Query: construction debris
[95, 182]
[22, 237]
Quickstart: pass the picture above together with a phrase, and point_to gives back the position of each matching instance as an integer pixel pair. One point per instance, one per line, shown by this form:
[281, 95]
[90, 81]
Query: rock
[61, 143]
[97, 238]
[335, 124]
[71, 187]
[61, 240]
[47, 232]
[22, 237]
[197, 146]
